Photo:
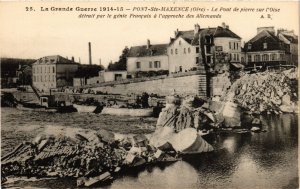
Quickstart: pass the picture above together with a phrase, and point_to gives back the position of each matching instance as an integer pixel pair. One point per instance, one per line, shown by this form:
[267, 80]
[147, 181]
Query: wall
[44, 76]
[77, 82]
[186, 85]
[110, 76]
[219, 84]
[131, 63]
[185, 60]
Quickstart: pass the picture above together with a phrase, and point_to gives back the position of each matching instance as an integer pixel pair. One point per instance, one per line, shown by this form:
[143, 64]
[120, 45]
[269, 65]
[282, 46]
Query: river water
[254, 160]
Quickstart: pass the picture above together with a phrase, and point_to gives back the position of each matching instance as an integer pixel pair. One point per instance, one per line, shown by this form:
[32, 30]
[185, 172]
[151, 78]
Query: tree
[121, 64]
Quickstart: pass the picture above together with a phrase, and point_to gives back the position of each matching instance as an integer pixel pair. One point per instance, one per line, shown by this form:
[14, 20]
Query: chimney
[223, 25]
[227, 27]
[148, 43]
[79, 60]
[90, 54]
[72, 58]
[176, 32]
[196, 29]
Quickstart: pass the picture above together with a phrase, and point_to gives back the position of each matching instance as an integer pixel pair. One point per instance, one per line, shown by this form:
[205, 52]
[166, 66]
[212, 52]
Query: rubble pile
[265, 92]
[192, 112]
[63, 157]
[91, 157]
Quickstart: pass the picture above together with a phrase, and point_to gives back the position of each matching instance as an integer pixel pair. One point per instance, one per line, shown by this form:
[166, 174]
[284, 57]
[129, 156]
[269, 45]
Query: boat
[84, 108]
[37, 109]
[147, 112]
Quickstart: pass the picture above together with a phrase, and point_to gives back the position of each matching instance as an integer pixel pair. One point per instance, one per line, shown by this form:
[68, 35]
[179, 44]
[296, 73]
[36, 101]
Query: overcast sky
[36, 34]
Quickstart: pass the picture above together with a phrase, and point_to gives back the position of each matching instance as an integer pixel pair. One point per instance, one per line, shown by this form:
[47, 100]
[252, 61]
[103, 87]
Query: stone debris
[192, 112]
[91, 157]
[265, 91]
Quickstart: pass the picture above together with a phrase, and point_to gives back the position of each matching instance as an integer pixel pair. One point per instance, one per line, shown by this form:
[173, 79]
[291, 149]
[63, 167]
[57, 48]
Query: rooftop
[54, 59]
[193, 39]
[257, 42]
[153, 50]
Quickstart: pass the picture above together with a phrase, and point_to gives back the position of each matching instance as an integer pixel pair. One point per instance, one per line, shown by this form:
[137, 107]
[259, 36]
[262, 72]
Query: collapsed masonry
[266, 92]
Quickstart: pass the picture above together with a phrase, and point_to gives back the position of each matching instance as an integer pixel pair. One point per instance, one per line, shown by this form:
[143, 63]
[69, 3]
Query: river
[256, 160]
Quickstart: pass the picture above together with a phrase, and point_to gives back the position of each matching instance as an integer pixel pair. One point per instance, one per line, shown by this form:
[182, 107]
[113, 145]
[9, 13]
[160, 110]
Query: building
[289, 38]
[266, 49]
[53, 72]
[113, 75]
[86, 74]
[147, 58]
[193, 49]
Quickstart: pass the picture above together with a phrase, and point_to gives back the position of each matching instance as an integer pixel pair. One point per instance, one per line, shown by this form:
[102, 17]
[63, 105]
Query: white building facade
[53, 72]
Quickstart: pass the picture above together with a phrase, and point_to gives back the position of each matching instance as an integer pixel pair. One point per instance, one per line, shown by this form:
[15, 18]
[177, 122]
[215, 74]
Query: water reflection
[255, 160]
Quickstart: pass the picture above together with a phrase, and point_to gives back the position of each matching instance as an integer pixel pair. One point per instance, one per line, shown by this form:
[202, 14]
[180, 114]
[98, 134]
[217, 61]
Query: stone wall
[183, 85]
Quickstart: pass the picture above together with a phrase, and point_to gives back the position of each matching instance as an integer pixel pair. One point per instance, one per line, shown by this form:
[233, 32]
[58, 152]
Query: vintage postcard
[149, 94]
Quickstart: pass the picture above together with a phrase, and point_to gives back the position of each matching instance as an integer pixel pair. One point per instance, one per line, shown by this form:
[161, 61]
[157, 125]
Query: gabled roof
[142, 51]
[193, 39]
[54, 59]
[257, 42]
[291, 38]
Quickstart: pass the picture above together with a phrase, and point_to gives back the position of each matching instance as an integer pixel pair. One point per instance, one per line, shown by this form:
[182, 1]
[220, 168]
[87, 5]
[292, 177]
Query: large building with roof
[289, 38]
[196, 48]
[53, 72]
[147, 58]
[267, 49]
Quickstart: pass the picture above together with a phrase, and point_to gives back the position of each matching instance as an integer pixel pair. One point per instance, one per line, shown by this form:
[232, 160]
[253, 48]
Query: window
[237, 46]
[265, 57]
[257, 58]
[48, 69]
[249, 58]
[249, 46]
[233, 45]
[273, 56]
[176, 51]
[197, 49]
[229, 45]
[150, 64]
[237, 57]
[281, 56]
[197, 60]
[184, 51]
[34, 78]
[189, 50]
[156, 64]
[171, 51]
[53, 69]
[138, 65]
[265, 45]
[234, 57]
[41, 78]
[179, 42]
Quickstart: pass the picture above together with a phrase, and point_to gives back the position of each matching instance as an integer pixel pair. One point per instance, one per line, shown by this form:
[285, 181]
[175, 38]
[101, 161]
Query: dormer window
[249, 46]
[265, 45]
[179, 42]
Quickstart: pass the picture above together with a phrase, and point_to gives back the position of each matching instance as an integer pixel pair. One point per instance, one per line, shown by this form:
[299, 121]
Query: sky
[34, 34]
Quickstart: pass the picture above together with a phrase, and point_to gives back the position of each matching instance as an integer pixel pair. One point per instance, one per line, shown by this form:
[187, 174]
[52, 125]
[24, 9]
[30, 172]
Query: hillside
[10, 65]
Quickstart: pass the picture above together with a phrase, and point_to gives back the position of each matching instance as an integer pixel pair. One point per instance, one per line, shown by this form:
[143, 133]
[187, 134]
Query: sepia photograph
[155, 94]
